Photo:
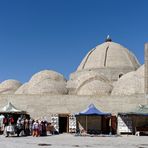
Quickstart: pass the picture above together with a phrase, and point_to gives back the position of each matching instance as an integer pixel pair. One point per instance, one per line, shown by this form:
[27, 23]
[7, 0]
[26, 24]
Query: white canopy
[9, 108]
[2, 116]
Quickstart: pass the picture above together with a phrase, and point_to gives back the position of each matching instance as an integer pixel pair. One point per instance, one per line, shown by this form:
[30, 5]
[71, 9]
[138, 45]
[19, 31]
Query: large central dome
[109, 55]
[109, 60]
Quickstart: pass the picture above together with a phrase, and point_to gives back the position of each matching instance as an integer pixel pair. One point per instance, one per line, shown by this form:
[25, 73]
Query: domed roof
[109, 55]
[46, 74]
[89, 83]
[140, 71]
[9, 86]
[48, 87]
[22, 89]
[95, 87]
[130, 83]
[44, 82]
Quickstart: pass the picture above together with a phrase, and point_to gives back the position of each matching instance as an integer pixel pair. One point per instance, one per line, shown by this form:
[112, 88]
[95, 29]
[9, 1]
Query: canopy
[9, 108]
[92, 110]
[2, 116]
[140, 110]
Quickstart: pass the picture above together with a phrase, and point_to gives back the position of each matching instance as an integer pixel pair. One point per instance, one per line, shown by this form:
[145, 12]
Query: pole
[146, 72]
[86, 123]
[110, 125]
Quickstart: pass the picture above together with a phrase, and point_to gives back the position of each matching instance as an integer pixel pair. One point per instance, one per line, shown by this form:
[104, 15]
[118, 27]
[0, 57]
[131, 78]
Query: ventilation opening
[120, 75]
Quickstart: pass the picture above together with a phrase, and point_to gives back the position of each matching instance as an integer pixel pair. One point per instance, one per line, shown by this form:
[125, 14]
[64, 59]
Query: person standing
[35, 128]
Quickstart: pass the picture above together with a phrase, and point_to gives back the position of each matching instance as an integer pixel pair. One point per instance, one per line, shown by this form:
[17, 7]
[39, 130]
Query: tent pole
[86, 123]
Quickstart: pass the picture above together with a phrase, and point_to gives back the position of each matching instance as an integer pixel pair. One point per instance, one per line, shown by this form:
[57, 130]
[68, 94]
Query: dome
[46, 74]
[140, 71]
[95, 87]
[44, 82]
[9, 86]
[48, 87]
[131, 83]
[109, 55]
[109, 59]
[89, 83]
[22, 89]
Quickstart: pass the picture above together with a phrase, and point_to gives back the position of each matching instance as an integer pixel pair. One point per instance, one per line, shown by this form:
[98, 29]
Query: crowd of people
[26, 126]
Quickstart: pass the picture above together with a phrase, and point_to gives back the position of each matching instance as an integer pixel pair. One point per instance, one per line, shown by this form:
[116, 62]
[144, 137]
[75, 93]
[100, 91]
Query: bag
[10, 128]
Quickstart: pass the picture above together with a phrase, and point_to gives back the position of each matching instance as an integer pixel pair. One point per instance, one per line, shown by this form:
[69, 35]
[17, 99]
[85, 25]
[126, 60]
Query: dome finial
[108, 39]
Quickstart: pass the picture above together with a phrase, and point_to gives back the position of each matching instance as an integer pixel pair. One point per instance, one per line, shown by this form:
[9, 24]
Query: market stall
[9, 115]
[133, 121]
[93, 121]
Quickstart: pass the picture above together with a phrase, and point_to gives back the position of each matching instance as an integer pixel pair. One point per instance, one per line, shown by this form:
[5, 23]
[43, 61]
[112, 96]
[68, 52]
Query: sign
[124, 124]
[72, 124]
[55, 121]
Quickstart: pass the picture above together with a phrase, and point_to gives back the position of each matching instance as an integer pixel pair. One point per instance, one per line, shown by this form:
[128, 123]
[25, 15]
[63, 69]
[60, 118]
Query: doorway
[63, 123]
[105, 125]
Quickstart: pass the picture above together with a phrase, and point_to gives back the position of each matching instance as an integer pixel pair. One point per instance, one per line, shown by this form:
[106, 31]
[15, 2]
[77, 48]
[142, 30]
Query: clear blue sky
[56, 34]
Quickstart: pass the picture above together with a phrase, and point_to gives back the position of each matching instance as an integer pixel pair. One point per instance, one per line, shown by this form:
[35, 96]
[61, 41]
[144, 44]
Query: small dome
[9, 86]
[48, 86]
[22, 89]
[44, 82]
[89, 83]
[109, 55]
[46, 74]
[95, 87]
[130, 83]
[140, 71]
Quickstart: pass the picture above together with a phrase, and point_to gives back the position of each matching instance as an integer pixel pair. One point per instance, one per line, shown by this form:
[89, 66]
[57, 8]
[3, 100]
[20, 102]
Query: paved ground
[71, 141]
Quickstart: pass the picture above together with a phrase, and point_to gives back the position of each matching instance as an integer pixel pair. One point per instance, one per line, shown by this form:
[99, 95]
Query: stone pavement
[71, 141]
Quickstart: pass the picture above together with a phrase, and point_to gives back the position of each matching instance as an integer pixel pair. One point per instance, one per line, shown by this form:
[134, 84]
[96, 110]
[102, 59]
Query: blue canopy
[92, 110]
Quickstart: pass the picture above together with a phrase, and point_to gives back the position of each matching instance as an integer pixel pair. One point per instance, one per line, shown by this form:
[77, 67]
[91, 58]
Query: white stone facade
[109, 76]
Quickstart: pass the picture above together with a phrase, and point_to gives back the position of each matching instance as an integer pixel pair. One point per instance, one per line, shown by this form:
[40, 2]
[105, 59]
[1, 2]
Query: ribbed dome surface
[109, 55]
